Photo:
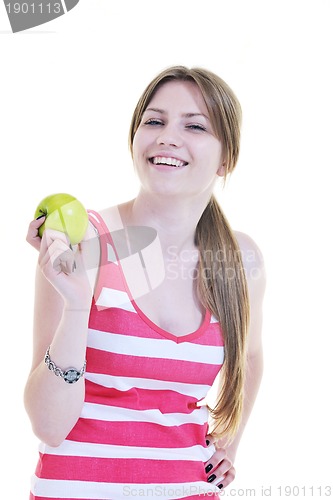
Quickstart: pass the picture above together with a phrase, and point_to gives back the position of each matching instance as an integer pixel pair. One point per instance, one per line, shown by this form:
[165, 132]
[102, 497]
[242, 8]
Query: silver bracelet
[71, 375]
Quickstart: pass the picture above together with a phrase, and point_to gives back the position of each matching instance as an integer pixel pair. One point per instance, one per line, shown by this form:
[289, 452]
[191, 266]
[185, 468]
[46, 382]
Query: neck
[175, 220]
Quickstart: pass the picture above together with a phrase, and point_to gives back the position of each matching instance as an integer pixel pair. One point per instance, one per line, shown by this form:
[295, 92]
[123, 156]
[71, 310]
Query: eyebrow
[185, 115]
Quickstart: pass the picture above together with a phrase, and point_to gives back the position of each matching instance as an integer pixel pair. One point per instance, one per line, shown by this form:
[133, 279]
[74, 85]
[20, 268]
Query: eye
[196, 127]
[153, 121]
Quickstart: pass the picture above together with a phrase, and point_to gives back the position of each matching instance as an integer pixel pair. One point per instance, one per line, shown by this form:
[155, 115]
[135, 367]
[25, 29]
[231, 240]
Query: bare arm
[62, 306]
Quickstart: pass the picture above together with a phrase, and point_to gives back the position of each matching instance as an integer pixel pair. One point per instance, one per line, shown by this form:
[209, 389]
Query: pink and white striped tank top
[141, 432]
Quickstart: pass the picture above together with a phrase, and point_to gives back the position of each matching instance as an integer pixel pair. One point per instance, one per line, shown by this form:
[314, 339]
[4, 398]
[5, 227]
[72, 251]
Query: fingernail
[208, 468]
[207, 442]
[40, 216]
[74, 263]
[220, 486]
[211, 478]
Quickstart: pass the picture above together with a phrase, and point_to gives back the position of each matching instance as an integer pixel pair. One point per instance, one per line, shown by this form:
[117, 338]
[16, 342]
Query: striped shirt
[141, 432]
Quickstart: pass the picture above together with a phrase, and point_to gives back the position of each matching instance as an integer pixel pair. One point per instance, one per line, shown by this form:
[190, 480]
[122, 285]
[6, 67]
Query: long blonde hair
[222, 286]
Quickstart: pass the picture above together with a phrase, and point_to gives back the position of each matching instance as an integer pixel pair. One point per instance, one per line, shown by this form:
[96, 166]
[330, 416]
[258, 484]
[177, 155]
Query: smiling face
[175, 150]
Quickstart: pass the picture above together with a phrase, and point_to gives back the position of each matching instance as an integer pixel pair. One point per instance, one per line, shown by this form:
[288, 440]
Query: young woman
[164, 298]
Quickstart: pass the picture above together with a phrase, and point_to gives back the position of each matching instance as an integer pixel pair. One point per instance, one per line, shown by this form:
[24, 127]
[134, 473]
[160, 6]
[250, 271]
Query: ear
[221, 170]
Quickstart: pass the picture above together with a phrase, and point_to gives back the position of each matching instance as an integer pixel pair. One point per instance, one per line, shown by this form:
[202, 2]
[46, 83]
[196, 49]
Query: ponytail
[223, 290]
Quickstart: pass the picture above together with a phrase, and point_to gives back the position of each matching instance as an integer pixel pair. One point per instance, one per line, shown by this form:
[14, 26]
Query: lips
[167, 160]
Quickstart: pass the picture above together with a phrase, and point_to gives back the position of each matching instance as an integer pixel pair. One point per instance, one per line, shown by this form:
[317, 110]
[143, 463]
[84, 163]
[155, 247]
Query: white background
[67, 91]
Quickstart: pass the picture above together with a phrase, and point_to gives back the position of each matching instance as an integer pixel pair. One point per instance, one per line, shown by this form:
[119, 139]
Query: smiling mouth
[163, 160]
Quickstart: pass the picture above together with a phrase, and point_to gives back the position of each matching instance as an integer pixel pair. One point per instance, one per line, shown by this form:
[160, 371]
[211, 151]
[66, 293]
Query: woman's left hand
[219, 468]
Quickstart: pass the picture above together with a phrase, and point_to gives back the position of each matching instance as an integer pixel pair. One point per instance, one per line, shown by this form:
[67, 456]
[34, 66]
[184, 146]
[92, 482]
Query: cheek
[139, 144]
[211, 154]
[135, 143]
[136, 148]
[217, 157]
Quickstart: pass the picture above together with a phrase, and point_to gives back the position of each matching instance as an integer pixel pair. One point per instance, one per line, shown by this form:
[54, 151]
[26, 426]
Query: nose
[169, 136]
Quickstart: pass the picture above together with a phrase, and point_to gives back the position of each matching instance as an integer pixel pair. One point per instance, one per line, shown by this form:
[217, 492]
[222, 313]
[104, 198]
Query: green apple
[63, 213]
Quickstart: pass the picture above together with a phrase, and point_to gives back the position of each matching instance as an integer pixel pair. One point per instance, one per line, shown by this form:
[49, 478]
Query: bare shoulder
[116, 216]
[253, 262]
[90, 246]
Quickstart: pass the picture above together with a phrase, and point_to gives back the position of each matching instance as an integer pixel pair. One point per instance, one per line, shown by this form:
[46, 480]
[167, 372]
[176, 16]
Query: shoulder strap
[108, 273]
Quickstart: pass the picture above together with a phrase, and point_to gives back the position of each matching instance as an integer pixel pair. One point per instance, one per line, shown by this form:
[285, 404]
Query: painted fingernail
[40, 216]
[211, 478]
[207, 442]
[220, 486]
[208, 468]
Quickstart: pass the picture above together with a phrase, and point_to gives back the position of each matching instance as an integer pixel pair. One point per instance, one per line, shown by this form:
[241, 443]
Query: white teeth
[158, 160]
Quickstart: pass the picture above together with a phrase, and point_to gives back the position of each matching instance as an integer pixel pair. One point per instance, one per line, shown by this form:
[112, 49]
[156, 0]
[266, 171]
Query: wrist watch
[70, 375]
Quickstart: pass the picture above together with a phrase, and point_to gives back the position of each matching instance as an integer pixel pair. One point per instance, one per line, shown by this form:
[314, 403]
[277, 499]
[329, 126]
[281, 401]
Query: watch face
[71, 376]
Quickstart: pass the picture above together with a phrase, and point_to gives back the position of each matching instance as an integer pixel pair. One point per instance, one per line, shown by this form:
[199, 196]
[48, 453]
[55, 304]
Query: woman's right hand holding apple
[64, 268]
[62, 265]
